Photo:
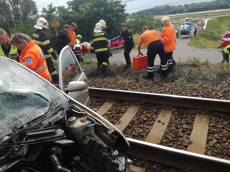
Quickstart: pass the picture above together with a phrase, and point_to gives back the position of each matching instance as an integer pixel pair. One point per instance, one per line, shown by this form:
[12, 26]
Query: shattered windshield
[23, 96]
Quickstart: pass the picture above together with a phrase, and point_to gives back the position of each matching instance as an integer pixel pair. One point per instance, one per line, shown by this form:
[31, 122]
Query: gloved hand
[140, 54]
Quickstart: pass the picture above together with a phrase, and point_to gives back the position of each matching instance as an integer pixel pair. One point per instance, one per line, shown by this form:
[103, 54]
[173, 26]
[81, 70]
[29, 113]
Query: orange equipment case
[140, 62]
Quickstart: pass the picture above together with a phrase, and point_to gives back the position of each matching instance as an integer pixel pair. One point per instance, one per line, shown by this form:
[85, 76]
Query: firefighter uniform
[62, 39]
[100, 45]
[128, 45]
[152, 40]
[11, 52]
[169, 42]
[33, 58]
[226, 53]
[42, 40]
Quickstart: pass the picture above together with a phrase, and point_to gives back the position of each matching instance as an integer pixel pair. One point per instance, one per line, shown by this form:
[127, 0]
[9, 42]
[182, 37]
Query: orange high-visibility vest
[33, 58]
[148, 37]
[72, 37]
[169, 38]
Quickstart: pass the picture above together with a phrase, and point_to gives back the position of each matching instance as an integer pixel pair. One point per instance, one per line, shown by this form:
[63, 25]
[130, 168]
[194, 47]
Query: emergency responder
[31, 55]
[152, 40]
[72, 33]
[128, 44]
[169, 41]
[63, 38]
[6, 49]
[226, 53]
[41, 39]
[100, 46]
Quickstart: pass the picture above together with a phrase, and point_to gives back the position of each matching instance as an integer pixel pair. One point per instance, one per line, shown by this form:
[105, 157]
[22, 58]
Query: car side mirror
[76, 86]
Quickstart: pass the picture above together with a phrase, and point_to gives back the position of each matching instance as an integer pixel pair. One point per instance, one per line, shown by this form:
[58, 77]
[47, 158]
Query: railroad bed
[189, 124]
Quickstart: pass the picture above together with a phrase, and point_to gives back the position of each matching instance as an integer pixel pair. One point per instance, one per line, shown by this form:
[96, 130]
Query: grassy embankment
[195, 16]
[210, 38]
[214, 31]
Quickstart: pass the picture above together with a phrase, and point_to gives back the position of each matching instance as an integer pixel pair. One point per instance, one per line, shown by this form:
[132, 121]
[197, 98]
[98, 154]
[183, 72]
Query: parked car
[44, 129]
[225, 40]
[116, 42]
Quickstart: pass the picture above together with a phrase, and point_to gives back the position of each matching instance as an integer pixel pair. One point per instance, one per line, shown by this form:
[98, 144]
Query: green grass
[193, 62]
[210, 38]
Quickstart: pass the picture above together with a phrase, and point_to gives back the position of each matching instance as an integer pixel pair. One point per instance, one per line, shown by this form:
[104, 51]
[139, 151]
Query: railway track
[179, 131]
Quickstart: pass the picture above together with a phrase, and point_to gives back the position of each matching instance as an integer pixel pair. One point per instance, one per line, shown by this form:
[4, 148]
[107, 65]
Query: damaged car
[48, 129]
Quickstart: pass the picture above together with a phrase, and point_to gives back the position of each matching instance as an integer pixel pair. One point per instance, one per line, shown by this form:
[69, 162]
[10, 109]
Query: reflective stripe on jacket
[169, 38]
[13, 54]
[33, 58]
[227, 49]
[100, 42]
[42, 40]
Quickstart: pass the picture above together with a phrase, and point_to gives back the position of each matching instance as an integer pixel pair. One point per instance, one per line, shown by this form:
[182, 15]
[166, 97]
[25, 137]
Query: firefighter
[100, 46]
[41, 39]
[31, 55]
[63, 38]
[6, 49]
[226, 53]
[128, 44]
[152, 40]
[169, 40]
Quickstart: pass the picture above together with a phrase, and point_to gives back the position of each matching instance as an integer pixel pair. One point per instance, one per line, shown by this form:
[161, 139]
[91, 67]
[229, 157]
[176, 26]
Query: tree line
[194, 7]
[21, 15]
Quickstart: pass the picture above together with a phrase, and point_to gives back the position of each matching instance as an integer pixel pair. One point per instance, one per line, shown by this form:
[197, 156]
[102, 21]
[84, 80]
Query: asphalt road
[182, 54]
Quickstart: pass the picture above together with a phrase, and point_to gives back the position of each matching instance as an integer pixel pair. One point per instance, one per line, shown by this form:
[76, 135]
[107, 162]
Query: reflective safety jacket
[72, 37]
[13, 53]
[169, 38]
[149, 36]
[227, 49]
[33, 58]
[100, 42]
[41, 39]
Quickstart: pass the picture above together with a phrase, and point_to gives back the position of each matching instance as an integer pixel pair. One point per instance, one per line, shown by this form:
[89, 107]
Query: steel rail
[176, 158]
[166, 99]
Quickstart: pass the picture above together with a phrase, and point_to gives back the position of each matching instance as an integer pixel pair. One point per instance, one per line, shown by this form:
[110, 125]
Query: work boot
[171, 68]
[163, 74]
[149, 76]
[126, 67]
[103, 69]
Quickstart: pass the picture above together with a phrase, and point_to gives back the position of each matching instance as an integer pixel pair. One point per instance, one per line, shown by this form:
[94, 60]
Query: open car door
[72, 78]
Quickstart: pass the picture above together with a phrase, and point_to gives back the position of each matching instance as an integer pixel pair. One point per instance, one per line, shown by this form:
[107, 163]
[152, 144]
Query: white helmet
[98, 27]
[103, 24]
[79, 36]
[41, 23]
